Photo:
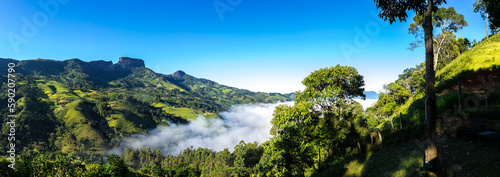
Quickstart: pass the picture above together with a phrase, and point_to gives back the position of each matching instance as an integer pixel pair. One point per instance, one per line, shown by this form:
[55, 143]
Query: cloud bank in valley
[248, 122]
[367, 102]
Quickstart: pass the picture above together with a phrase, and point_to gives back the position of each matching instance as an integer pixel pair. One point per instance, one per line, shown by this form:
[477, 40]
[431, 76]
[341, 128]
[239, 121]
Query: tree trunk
[392, 125]
[319, 158]
[379, 135]
[487, 33]
[439, 46]
[430, 101]
[436, 60]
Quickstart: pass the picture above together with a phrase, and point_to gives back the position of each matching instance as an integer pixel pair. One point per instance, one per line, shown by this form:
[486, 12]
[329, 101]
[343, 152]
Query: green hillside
[92, 105]
[485, 57]
[402, 124]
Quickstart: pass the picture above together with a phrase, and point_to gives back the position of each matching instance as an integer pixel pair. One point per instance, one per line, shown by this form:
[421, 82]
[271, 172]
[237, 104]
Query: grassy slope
[397, 160]
[480, 57]
[75, 115]
[185, 113]
[72, 107]
[56, 90]
[150, 79]
[485, 55]
[72, 115]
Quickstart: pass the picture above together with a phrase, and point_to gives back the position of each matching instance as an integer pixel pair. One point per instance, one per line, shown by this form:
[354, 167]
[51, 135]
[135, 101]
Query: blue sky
[265, 46]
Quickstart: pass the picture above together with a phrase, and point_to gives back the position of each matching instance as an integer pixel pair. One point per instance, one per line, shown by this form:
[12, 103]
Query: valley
[94, 104]
[271, 89]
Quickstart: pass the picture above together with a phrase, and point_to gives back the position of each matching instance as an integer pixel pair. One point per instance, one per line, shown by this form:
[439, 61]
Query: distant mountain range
[85, 105]
[132, 73]
[371, 95]
[79, 104]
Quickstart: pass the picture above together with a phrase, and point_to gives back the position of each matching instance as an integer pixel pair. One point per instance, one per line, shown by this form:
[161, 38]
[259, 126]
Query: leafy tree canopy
[322, 119]
[332, 85]
[393, 10]
[493, 10]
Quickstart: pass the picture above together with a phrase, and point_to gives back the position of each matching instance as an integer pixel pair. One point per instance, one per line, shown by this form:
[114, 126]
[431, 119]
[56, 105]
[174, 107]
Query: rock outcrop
[179, 73]
[128, 63]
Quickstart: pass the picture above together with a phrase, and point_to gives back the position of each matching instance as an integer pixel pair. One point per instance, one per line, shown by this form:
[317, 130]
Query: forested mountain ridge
[132, 73]
[87, 107]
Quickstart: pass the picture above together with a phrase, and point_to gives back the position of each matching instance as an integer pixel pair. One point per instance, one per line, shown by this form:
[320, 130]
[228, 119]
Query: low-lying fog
[248, 122]
[366, 103]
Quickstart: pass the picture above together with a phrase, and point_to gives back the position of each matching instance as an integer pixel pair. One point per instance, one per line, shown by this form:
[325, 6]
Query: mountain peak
[179, 73]
[126, 62]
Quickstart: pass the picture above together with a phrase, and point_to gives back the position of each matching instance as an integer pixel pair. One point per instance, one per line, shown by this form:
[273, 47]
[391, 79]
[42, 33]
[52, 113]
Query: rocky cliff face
[123, 63]
[101, 64]
[127, 63]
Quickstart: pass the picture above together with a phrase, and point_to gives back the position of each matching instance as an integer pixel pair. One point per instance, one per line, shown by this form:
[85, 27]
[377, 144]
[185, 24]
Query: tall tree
[493, 10]
[331, 92]
[480, 6]
[447, 20]
[321, 119]
[290, 145]
[394, 10]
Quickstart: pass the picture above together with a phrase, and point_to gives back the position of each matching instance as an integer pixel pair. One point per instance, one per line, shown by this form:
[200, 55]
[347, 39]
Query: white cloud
[249, 122]
[366, 103]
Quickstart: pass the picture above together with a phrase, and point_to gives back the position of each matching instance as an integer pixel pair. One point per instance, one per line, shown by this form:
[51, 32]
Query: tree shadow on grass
[176, 119]
[396, 160]
[335, 166]
[137, 120]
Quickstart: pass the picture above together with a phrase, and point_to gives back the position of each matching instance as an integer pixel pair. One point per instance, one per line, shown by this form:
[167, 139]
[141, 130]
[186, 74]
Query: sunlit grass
[184, 113]
[118, 120]
[485, 55]
[86, 131]
[354, 168]
[72, 114]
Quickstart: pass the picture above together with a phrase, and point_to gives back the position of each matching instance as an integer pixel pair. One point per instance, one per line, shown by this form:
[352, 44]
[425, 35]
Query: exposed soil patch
[474, 83]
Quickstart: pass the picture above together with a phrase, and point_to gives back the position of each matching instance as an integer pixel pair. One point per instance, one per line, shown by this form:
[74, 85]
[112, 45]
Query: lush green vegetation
[323, 125]
[304, 146]
[324, 133]
[393, 117]
[405, 96]
[70, 112]
[131, 100]
[75, 108]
